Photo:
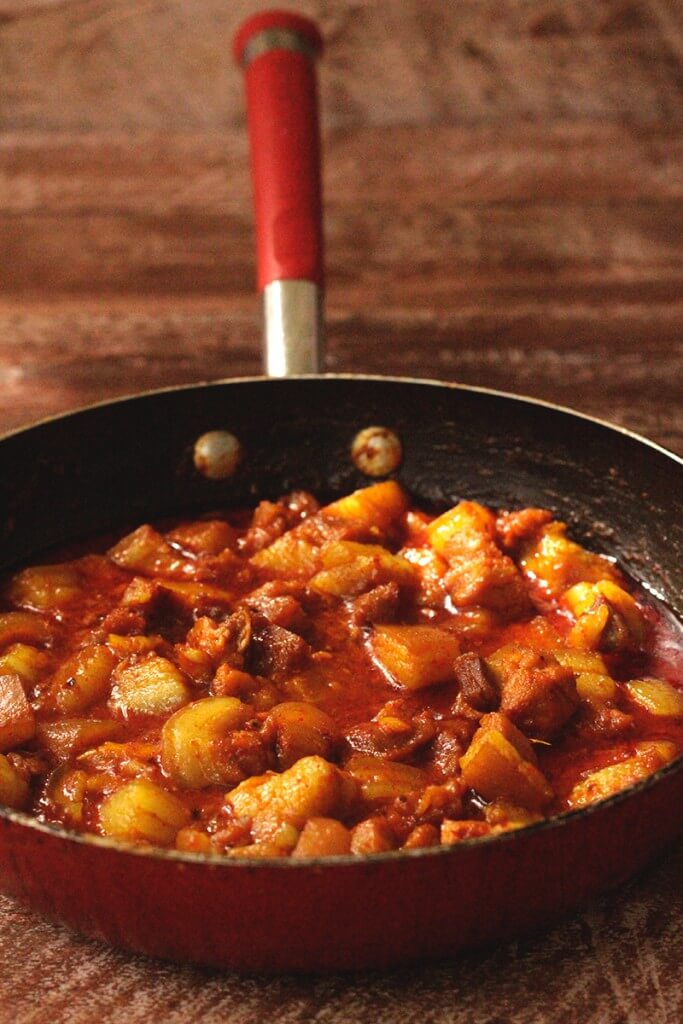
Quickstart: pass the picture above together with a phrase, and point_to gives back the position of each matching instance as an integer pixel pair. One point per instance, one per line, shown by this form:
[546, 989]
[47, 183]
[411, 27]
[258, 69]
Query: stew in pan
[309, 681]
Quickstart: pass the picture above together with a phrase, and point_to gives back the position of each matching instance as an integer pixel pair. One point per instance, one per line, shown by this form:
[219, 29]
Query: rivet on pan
[376, 451]
[217, 454]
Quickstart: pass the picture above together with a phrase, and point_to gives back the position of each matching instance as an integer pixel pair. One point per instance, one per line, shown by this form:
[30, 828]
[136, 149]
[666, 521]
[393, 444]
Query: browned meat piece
[479, 573]
[225, 642]
[372, 836]
[276, 652]
[203, 537]
[279, 608]
[124, 621]
[537, 693]
[522, 525]
[607, 722]
[272, 519]
[379, 605]
[477, 686]
[451, 743]
[428, 807]
[394, 734]
[422, 835]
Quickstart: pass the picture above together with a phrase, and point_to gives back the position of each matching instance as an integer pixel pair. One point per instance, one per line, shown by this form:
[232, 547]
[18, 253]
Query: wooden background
[504, 206]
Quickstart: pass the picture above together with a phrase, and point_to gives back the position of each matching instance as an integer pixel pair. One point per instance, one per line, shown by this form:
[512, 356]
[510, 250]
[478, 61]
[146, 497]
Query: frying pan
[127, 461]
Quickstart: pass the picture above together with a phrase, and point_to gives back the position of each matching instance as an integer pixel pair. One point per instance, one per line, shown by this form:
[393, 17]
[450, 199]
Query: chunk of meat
[280, 609]
[275, 652]
[272, 519]
[323, 837]
[537, 693]
[479, 573]
[477, 685]
[372, 836]
[452, 740]
[17, 721]
[394, 734]
[378, 605]
[521, 525]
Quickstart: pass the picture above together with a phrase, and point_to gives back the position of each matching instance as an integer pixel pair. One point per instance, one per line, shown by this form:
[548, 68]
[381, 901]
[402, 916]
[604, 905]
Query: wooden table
[504, 204]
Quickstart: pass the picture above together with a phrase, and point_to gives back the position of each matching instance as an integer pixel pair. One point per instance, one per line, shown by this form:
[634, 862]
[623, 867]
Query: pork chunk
[537, 693]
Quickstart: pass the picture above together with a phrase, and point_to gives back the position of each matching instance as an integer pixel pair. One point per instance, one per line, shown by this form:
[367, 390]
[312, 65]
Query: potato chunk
[558, 562]
[311, 788]
[377, 507]
[17, 721]
[28, 662]
[350, 568]
[607, 617]
[82, 680]
[14, 791]
[499, 765]
[150, 686]
[656, 696]
[46, 587]
[140, 811]
[415, 656]
[649, 757]
[289, 556]
[191, 741]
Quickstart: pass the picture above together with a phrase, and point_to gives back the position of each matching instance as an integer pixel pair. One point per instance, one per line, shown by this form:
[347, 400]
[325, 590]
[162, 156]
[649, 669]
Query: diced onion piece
[82, 680]
[302, 730]
[581, 661]
[17, 721]
[141, 811]
[24, 627]
[649, 757]
[350, 568]
[14, 791]
[415, 656]
[494, 766]
[45, 587]
[151, 686]
[381, 780]
[71, 736]
[656, 696]
[190, 740]
[595, 687]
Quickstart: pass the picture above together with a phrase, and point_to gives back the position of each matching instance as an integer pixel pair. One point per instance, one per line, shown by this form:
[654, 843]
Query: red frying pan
[114, 464]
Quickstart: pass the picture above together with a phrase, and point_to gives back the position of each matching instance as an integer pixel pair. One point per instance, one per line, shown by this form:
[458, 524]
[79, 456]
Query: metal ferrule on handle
[277, 51]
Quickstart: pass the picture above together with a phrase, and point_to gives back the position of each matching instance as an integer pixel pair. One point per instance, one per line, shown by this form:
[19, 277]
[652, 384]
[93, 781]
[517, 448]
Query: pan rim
[363, 378]
[221, 862]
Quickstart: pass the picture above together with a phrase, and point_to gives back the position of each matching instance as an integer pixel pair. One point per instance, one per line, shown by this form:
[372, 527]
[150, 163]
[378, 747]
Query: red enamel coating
[349, 914]
[282, 117]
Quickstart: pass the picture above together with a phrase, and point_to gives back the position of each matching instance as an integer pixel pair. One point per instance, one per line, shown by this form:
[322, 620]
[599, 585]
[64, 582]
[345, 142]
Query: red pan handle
[277, 51]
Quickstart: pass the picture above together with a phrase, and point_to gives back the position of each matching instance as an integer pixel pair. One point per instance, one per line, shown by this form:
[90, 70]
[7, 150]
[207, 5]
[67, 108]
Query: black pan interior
[130, 461]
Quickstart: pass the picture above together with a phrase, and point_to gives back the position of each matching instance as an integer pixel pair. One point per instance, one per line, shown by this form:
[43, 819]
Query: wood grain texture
[504, 206]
